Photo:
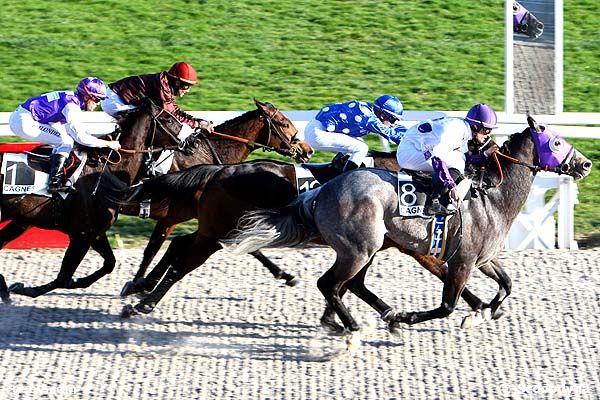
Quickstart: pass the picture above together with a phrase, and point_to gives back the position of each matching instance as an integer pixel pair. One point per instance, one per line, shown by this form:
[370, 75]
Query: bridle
[564, 167]
[274, 128]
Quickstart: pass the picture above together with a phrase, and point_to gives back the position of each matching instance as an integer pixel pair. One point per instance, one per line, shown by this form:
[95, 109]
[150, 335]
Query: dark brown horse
[217, 196]
[265, 128]
[84, 215]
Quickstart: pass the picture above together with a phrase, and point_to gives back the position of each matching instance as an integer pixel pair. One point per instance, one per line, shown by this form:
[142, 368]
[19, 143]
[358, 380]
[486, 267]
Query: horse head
[525, 22]
[282, 134]
[556, 154]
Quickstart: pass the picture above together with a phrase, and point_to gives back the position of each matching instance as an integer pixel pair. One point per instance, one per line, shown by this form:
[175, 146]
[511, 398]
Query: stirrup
[62, 187]
[436, 208]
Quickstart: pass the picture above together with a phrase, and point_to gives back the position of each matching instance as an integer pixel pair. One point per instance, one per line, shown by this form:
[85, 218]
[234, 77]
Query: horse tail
[287, 227]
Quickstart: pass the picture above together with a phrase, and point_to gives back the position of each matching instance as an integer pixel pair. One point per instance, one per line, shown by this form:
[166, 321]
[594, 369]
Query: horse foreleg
[495, 271]
[102, 247]
[439, 269]
[138, 284]
[78, 248]
[277, 272]
[4, 293]
[455, 282]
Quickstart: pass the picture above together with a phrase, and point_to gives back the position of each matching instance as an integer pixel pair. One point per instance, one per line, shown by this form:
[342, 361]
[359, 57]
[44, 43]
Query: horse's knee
[446, 309]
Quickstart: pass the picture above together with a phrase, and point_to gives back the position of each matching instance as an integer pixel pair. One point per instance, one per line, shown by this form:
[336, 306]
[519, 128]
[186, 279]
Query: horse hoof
[473, 319]
[353, 341]
[128, 288]
[293, 282]
[16, 288]
[486, 314]
[6, 298]
[128, 311]
[499, 313]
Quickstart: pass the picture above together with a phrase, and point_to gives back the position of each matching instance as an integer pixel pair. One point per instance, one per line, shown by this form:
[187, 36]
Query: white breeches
[114, 104]
[410, 158]
[22, 124]
[320, 139]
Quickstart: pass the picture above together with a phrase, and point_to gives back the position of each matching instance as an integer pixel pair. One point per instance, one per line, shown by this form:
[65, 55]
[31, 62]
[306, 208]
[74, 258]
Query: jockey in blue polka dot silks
[55, 118]
[339, 127]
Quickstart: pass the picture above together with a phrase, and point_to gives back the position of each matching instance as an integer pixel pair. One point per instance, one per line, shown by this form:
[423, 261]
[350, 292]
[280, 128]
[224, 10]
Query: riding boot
[433, 206]
[350, 165]
[57, 174]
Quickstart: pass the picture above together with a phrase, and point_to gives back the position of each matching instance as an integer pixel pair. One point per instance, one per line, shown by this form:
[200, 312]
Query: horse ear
[259, 103]
[533, 124]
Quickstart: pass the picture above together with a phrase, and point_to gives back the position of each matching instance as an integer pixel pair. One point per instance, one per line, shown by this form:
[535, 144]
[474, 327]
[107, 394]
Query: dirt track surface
[229, 331]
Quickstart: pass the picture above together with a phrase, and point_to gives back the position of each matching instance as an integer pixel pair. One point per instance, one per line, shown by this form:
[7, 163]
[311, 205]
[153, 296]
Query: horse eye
[555, 145]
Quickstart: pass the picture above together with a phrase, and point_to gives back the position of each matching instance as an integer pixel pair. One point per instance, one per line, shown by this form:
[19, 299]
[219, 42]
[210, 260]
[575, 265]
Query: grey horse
[355, 212]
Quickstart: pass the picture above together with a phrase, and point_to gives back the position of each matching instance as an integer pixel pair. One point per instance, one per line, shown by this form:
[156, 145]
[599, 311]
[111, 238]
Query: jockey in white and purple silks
[55, 118]
[339, 127]
[441, 146]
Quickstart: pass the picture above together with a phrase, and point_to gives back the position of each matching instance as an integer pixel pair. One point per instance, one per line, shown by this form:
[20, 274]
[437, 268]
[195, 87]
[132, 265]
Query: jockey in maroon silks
[161, 88]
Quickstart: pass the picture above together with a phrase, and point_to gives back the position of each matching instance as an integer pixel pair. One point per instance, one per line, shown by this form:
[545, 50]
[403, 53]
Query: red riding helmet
[184, 72]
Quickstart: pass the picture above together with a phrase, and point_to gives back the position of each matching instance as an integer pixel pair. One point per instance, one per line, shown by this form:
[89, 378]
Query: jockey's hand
[493, 148]
[113, 145]
[205, 125]
[455, 197]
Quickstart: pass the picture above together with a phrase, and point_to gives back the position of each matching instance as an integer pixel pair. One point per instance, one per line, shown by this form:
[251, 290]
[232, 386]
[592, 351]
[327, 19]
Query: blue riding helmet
[482, 115]
[389, 105]
[92, 87]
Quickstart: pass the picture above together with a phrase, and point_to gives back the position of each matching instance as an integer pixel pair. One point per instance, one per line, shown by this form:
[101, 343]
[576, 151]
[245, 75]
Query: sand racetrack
[230, 331]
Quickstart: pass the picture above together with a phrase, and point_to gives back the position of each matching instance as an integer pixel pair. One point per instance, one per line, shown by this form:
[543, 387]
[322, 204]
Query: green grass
[297, 54]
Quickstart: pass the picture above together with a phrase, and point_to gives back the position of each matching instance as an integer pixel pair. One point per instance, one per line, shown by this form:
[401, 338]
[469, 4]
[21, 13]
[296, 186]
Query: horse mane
[237, 120]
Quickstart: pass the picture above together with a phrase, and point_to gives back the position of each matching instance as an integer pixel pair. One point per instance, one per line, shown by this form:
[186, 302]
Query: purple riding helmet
[483, 115]
[92, 87]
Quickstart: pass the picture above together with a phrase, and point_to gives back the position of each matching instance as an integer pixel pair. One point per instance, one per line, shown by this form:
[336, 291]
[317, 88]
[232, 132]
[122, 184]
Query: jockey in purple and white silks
[339, 127]
[441, 145]
[55, 118]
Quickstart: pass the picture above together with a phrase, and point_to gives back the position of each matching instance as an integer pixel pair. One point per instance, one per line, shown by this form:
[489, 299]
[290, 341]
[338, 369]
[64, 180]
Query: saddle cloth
[28, 173]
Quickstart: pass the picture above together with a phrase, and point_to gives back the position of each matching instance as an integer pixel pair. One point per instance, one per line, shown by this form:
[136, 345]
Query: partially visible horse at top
[524, 22]
[85, 216]
[356, 212]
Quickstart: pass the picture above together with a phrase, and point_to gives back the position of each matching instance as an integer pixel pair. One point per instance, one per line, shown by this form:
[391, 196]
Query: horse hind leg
[191, 253]
[102, 247]
[139, 282]
[10, 232]
[495, 271]
[277, 272]
[78, 248]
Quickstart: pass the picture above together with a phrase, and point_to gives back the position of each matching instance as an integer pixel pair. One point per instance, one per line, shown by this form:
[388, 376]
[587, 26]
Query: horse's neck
[133, 138]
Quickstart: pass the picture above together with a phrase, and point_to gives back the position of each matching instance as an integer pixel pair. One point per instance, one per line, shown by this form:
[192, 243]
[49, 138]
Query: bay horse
[84, 215]
[217, 196]
[355, 213]
[265, 128]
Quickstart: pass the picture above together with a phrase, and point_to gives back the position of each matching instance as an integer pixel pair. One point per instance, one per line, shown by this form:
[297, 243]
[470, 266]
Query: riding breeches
[320, 139]
[411, 158]
[23, 124]
[113, 104]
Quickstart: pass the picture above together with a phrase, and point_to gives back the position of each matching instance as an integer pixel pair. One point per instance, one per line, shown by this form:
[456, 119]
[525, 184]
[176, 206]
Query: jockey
[161, 88]
[339, 127]
[440, 145]
[55, 118]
